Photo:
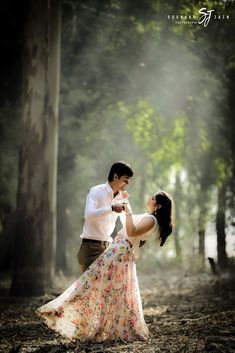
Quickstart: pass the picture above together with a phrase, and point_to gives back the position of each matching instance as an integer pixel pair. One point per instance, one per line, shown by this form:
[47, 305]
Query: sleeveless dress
[104, 303]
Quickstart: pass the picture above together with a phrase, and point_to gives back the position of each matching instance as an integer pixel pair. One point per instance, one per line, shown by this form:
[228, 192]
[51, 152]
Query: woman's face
[151, 204]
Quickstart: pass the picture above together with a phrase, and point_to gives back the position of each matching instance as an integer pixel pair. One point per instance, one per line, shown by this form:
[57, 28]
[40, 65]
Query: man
[103, 204]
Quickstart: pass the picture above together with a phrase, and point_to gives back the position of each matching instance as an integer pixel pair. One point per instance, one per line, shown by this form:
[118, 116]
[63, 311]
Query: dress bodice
[135, 241]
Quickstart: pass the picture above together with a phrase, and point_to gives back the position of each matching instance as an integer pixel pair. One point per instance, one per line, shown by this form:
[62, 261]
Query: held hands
[124, 206]
[117, 207]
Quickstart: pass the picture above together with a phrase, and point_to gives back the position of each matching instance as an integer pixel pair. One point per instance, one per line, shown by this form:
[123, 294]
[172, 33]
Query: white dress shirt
[100, 220]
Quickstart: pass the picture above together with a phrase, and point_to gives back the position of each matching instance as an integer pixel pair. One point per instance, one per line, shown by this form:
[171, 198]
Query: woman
[104, 303]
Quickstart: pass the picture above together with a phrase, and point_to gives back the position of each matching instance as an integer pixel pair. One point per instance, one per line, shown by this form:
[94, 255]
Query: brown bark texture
[35, 232]
[220, 228]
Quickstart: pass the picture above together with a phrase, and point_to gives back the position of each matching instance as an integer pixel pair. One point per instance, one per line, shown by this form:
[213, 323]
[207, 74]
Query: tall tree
[36, 198]
[220, 227]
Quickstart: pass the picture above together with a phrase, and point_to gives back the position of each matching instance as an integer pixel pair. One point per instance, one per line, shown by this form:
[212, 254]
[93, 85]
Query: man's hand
[117, 208]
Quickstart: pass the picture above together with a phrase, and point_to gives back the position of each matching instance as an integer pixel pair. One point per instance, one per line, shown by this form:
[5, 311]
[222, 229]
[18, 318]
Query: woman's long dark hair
[164, 215]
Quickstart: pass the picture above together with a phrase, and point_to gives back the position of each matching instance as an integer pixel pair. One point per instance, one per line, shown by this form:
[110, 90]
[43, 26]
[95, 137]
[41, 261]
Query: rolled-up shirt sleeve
[91, 210]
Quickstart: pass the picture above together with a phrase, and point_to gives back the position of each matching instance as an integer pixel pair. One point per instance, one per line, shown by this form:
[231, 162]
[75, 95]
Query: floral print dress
[104, 303]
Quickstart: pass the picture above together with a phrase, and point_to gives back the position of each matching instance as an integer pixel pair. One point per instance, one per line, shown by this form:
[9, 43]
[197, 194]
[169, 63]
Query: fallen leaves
[184, 314]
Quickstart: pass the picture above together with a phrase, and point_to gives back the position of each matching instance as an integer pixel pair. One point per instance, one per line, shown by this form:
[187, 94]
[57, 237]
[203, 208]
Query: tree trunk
[36, 199]
[201, 233]
[62, 231]
[220, 228]
[178, 198]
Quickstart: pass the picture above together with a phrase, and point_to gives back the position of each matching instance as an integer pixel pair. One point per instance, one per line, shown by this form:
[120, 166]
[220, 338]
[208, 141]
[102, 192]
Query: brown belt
[101, 242]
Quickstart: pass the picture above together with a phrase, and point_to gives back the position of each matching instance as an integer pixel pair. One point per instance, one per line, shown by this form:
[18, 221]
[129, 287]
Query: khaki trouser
[89, 252]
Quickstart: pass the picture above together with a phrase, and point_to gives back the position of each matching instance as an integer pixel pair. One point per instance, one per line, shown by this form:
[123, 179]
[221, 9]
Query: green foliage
[162, 139]
[138, 87]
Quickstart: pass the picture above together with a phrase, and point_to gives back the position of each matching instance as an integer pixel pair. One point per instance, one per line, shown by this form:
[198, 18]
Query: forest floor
[184, 312]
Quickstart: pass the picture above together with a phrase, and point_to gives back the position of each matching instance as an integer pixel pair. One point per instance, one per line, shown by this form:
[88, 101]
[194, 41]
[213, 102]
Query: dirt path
[184, 313]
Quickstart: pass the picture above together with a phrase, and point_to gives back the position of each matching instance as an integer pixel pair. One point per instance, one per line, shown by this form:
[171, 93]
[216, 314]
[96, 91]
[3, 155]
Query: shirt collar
[110, 190]
[108, 187]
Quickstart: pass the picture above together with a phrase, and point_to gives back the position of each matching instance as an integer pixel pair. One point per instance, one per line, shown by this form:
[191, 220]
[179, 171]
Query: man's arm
[91, 210]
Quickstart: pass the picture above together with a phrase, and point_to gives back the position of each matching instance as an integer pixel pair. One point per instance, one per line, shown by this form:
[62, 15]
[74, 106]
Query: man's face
[122, 182]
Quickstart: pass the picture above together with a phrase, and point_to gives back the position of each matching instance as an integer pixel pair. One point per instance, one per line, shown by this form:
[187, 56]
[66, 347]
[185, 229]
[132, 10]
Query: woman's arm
[142, 227]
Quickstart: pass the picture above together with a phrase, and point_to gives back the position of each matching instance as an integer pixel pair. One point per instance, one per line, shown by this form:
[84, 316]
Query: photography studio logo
[206, 16]
[203, 18]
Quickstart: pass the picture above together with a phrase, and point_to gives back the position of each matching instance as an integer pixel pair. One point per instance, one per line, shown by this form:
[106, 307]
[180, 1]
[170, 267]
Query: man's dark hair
[120, 168]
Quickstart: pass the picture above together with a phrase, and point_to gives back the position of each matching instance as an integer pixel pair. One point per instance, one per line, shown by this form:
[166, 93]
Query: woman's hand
[127, 208]
[125, 194]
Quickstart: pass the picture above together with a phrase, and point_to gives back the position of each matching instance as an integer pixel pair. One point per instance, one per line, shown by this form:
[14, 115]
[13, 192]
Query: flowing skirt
[104, 303]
